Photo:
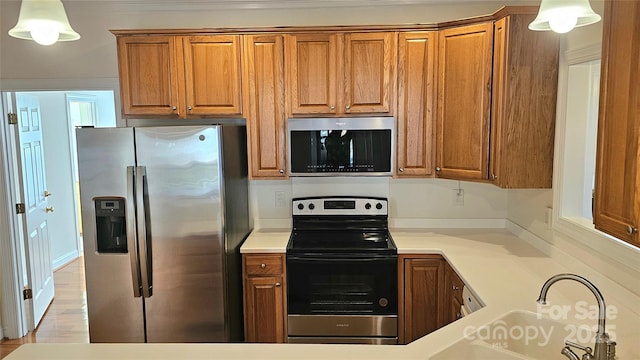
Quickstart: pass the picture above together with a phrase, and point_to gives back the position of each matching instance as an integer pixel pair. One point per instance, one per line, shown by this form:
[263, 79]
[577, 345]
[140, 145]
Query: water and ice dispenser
[111, 225]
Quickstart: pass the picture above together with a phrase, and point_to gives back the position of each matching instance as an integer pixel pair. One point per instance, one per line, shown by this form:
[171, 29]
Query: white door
[34, 196]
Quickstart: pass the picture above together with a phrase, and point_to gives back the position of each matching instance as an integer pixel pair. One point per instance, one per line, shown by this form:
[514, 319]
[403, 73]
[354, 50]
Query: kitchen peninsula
[505, 271]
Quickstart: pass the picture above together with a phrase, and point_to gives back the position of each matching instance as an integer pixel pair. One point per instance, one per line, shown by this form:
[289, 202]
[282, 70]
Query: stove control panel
[340, 206]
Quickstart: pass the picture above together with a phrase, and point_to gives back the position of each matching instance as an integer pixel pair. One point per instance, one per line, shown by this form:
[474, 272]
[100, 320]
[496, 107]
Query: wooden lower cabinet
[421, 281]
[264, 298]
[430, 295]
[453, 294]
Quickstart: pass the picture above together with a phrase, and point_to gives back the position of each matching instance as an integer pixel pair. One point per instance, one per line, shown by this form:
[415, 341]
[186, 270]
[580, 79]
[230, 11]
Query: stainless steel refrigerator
[164, 212]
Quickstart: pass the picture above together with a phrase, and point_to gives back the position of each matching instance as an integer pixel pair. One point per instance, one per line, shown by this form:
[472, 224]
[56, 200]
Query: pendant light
[562, 16]
[43, 21]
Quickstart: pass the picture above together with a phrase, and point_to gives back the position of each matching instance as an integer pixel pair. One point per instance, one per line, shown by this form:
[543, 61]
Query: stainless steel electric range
[342, 272]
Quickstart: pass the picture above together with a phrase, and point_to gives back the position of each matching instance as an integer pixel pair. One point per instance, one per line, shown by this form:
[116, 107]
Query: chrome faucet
[605, 349]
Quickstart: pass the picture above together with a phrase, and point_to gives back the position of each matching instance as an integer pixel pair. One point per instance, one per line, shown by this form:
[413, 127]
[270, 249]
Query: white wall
[414, 203]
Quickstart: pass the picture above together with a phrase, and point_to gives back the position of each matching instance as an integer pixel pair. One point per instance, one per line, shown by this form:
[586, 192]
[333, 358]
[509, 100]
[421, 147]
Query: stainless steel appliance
[341, 272]
[164, 213]
[341, 146]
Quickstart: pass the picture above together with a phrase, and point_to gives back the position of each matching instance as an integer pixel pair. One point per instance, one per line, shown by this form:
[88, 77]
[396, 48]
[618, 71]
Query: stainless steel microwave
[361, 146]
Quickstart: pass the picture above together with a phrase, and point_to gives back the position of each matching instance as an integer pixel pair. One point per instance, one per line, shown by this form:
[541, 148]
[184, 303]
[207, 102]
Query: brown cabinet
[429, 295]
[264, 109]
[422, 293]
[617, 169]
[264, 298]
[464, 101]
[416, 103]
[453, 294]
[525, 78]
[335, 74]
[179, 76]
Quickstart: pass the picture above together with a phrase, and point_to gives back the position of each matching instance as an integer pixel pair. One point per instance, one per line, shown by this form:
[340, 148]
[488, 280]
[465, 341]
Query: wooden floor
[66, 319]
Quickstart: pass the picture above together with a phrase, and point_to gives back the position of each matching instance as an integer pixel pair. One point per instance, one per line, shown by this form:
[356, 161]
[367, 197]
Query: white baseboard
[64, 259]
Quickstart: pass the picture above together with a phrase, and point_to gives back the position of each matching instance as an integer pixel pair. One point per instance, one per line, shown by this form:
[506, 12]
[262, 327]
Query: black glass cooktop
[341, 241]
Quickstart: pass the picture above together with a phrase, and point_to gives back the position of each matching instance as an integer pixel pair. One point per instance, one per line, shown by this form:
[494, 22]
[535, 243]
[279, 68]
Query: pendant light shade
[562, 16]
[43, 21]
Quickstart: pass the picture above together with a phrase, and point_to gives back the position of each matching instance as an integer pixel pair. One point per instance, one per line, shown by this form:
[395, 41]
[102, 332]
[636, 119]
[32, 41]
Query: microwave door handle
[143, 235]
[131, 231]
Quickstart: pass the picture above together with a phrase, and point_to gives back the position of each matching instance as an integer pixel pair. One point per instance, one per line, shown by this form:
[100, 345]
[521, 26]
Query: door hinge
[13, 118]
[27, 294]
[20, 208]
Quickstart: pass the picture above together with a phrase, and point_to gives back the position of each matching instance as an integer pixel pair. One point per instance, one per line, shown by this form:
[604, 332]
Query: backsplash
[414, 203]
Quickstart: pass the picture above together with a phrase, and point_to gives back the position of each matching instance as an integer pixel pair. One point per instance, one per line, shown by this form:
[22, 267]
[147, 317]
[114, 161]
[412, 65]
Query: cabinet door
[263, 94]
[148, 75]
[264, 309]
[423, 296]
[369, 72]
[617, 201]
[453, 293]
[525, 80]
[312, 71]
[212, 75]
[464, 99]
[416, 102]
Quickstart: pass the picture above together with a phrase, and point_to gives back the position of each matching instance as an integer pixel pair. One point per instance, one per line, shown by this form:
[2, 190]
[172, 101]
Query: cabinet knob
[455, 288]
[278, 284]
[458, 316]
[438, 169]
[332, 108]
[348, 107]
[46, 193]
[631, 230]
[174, 108]
[189, 108]
[49, 209]
[494, 177]
[262, 266]
[401, 169]
[281, 171]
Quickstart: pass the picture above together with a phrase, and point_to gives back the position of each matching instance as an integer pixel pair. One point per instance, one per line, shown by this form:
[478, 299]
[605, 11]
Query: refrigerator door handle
[131, 231]
[144, 245]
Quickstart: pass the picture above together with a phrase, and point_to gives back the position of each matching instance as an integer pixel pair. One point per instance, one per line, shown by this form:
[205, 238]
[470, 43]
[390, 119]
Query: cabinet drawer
[263, 264]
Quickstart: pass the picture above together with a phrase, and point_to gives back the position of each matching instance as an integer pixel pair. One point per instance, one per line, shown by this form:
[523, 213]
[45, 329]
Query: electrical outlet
[280, 199]
[458, 197]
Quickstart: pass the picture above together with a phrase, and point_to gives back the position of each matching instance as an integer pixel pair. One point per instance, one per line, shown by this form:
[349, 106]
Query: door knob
[49, 209]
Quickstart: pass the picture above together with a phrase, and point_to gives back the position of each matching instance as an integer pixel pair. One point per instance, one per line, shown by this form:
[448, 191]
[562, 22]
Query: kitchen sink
[516, 335]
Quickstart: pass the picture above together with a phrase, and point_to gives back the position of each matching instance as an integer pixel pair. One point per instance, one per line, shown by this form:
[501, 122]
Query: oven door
[348, 296]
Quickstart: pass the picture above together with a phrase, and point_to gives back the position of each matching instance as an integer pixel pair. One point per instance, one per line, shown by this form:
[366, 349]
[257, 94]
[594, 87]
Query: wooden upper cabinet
[617, 196]
[464, 102]
[338, 74]
[416, 103]
[525, 78]
[369, 72]
[263, 96]
[312, 67]
[149, 69]
[212, 74]
[180, 76]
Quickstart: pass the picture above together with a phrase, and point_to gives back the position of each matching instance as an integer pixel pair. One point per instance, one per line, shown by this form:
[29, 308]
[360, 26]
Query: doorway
[61, 112]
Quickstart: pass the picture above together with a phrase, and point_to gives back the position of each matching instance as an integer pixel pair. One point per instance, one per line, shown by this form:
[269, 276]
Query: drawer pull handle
[262, 266]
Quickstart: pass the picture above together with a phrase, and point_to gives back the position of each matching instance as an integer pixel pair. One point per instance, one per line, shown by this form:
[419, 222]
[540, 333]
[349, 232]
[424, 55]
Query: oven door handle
[332, 258]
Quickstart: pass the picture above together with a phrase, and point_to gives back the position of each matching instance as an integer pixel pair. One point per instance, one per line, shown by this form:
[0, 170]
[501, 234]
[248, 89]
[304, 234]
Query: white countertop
[504, 271]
